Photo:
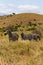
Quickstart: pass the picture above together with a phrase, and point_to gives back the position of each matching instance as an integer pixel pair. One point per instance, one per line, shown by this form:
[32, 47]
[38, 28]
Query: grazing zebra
[26, 36]
[30, 36]
[12, 36]
[36, 36]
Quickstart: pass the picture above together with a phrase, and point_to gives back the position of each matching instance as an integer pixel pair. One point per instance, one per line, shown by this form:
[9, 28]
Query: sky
[21, 6]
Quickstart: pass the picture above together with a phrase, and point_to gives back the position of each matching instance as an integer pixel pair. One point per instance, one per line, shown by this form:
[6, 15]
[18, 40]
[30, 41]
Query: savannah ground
[21, 52]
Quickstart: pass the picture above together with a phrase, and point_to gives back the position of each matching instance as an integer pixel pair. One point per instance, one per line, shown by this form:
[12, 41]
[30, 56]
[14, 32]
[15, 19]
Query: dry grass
[20, 52]
[18, 18]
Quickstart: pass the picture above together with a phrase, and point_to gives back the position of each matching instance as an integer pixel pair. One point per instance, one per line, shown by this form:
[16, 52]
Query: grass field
[20, 52]
[18, 18]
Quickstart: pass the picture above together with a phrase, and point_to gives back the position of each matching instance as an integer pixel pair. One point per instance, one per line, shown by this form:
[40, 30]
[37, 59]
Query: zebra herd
[30, 36]
[15, 36]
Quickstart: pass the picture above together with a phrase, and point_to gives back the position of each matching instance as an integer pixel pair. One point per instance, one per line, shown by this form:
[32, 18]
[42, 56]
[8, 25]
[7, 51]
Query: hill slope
[21, 52]
[18, 18]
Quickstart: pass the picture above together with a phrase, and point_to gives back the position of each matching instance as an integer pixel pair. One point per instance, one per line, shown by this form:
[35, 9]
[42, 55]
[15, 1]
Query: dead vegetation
[20, 18]
[18, 52]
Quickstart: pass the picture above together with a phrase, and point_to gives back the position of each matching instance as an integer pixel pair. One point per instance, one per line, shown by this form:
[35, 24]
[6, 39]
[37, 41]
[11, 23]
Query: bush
[18, 25]
[30, 23]
[13, 13]
[15, 28]
[34, 19]
[12, 28]
[3, 29]
[31, 28]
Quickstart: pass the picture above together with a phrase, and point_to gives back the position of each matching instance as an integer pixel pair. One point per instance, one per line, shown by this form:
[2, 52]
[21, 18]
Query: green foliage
[2, 29]
[31, 28]
[18, 25]
[15, 28]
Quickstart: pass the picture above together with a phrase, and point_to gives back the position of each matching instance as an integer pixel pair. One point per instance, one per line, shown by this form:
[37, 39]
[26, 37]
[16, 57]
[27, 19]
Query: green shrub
[31, 28]
[3, 29]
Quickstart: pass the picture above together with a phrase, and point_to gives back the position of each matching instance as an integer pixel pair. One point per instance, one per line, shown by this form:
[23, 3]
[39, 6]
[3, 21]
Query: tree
[13, 13]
